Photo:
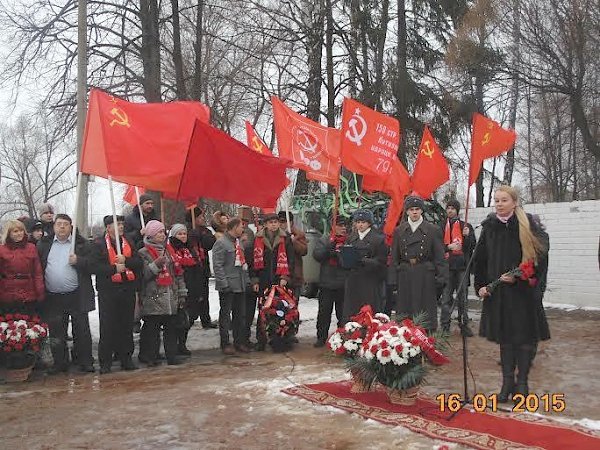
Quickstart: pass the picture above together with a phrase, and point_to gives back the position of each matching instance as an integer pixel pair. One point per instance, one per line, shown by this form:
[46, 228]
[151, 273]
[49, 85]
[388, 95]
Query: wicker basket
[406, 397]
[18, 375]
[358, 386]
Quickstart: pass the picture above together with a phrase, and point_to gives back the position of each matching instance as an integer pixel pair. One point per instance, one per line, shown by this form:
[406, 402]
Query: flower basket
[404, 397]
[359, 386]
[18, 375]
[279, 319]
[21, 337]
[346, 341]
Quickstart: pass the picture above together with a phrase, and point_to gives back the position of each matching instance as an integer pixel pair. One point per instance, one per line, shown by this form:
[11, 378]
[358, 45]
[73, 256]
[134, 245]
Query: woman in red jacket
[21, 276]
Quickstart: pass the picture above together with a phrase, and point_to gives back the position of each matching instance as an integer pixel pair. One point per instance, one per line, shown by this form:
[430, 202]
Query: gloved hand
[160, 262]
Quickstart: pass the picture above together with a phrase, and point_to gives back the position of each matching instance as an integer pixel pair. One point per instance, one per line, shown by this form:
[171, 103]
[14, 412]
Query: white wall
[574, 229]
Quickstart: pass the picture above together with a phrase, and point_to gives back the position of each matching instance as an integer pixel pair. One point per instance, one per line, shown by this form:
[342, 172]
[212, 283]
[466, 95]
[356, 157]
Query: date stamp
[554, 403]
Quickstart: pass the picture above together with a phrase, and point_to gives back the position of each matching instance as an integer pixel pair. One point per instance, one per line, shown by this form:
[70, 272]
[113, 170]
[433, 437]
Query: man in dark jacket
[364, 281]
[46, 213]
[202, 239]
[69, 292]
[116, 277]
[331, 280]
[418, 256]
[134, 232]
[459, 242]
[300, 245]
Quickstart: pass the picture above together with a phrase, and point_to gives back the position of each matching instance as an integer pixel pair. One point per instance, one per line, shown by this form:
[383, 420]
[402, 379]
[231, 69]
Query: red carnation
[384, 344]
[399, 348]
[374, 349]
[2, 337]
[340, 350]
[19, 347]
[1, 318]
[9, 317]
[386, 353]
[393, 331]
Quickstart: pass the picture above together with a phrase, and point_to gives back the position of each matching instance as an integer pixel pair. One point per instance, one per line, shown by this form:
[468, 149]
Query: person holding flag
[134, 230]
[418, 256]
[459, 242]
[117, 276]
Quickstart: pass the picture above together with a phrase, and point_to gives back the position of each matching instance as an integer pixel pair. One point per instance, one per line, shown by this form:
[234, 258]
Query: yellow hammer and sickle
[256, 144]
[120, 117]
[486, 139]
[428, 151]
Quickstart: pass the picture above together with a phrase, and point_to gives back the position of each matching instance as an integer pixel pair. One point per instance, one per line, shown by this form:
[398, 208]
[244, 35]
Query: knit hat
[144, 198]
[341, 220]
[454, 204]
[271, 216]
[45, 208]
[37, 225]
[109, 219]
[413, 201]
[176, 228]
[363, 215]
[154, 227]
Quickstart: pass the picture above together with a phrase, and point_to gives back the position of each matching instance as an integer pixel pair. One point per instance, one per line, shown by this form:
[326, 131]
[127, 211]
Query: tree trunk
[177, 58]
[514, 101]
[197, 83]
[401, 82]
[329, 65]
[529, 156]
[150, 50]
[379, 57]
[582, 124]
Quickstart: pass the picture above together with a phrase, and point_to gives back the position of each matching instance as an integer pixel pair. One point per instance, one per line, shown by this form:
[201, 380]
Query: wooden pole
[76, 213]
[114, 214]
[137, 195]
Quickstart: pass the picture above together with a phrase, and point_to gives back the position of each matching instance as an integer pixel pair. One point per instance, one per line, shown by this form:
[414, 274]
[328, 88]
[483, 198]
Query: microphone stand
[462, 324]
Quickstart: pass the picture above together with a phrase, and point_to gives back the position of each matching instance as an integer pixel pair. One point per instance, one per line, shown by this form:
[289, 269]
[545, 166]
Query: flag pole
[162, 210]
[137, 196]
[114, 214]
[287, 215]
[75, 214]
[193, 212]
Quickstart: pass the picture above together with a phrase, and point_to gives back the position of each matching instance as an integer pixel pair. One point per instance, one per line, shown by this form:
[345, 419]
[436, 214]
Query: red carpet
[477, 430]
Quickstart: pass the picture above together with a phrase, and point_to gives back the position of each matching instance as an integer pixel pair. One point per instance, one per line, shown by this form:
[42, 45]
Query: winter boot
[524, 360]
[507, 360]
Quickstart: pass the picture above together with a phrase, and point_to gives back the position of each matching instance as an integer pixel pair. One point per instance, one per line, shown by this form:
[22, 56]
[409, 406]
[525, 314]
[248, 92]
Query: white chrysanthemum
[349, 345]
[383, 359]
[414, 351]
[382, 317]
[351, 326]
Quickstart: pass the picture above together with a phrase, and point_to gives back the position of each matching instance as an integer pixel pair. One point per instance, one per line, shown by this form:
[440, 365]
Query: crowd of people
[147, 274]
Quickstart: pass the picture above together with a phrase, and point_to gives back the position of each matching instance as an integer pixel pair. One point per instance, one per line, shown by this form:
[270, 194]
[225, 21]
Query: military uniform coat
[364, 284]
[421, 267]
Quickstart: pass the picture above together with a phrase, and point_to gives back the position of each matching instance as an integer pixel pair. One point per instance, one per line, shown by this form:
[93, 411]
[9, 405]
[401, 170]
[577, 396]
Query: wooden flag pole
[193, 213]
[137, 196]
[114, 214]
[162, 211]
[74, 218]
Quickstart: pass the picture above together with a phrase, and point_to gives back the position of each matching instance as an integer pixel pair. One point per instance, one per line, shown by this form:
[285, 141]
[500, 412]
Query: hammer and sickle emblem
[120, 118]
[306, 141]
[486, 139]
[428, 151]
[256, 145]
[354, 135]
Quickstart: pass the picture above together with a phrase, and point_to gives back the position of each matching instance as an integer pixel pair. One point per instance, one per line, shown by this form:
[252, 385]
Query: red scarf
[283, 267]
[453, 236]
[240, 258]
[182, 257]
[164, 277]
[339, 241]
[112, 258]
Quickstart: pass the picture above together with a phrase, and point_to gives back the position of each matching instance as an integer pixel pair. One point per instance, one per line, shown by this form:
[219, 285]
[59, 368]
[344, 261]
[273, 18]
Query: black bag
[182, 319]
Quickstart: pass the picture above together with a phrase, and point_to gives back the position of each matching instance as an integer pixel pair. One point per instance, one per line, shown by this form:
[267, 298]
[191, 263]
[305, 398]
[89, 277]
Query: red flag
[488, 139]
[254, 141]
[369, 142]
[130, 195]
[396, 186]
[143, 144]
[431, 169]
[310, 146]
[221, 167]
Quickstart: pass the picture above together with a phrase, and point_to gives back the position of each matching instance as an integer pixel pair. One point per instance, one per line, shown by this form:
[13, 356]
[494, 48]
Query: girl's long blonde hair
[9, 226]
[531, 247]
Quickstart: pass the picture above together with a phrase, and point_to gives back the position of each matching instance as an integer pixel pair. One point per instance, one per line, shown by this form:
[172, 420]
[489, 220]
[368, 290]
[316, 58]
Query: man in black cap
[133, 223]
[36, 231]
[116, 277]
[459, 242]
[365, 276]
[418, 256]
[300, 245]
[331, 279]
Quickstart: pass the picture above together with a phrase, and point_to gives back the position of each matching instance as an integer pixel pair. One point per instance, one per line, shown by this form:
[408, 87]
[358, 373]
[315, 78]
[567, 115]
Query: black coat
[331, 276]
[419, 283]
[101, 267]
[194, 276]
[459, 262]
[513, 314]
[364, 284]
[267, 276]
[133, 225]
[203, 238]
[83, 250]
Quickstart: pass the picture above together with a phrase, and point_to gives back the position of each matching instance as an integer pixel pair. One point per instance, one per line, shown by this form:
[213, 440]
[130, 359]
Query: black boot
[507, 360]
[524, 359]
[181, 344]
